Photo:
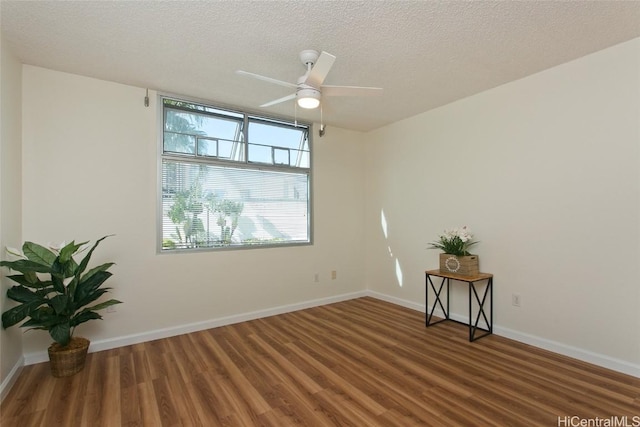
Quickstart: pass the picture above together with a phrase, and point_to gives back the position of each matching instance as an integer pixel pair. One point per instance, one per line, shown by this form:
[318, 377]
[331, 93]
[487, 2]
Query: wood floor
[362, 362]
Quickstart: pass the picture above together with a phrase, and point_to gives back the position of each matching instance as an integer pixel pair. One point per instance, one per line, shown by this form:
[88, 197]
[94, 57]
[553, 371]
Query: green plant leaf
[32, 277]
[94, 270]
[84, 317]
[103, 305]
[21, 279]
[90, 297]
[17, 314]
[71, 288]
[59, 303]
[44, 316]
[38, 254]
[69, 268]
[61, 333]
[67, 252]
[74, 284]
[38, 324]
[26, 266]
[22, 294]
[43, 286]
[57, 280]
[29, 279]
[85, 260]
[87, 287]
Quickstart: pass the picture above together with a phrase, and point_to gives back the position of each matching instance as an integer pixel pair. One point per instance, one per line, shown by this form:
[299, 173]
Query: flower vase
[464, 265]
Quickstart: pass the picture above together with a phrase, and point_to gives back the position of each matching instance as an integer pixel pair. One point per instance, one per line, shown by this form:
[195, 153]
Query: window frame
[196, 158]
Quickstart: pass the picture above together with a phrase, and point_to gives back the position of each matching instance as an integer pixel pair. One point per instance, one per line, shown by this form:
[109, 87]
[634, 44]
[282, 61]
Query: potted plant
[55, 294]
[455, 244]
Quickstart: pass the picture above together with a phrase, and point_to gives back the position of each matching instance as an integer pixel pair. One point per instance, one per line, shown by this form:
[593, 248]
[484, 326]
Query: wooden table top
[461, 277]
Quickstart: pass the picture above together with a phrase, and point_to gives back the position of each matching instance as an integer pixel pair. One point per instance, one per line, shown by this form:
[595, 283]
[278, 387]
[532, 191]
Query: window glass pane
[195, 123]
[266, 133]
[183, 126]
[207, 147]
[179, 143]
[260, 154]
[279, 136]
[227, 150]
[281, 156]
[218, 127]
[217, 206]
[213, 196]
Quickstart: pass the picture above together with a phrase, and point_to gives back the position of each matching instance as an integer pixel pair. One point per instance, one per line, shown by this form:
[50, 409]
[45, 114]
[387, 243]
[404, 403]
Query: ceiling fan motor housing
[309, 56]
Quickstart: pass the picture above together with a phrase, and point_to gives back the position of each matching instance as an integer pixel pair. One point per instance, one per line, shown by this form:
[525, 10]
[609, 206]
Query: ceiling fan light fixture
[308, 98]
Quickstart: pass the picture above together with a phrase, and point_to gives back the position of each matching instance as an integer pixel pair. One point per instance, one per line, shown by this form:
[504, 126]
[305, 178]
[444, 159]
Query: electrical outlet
[111, 309]
[316, 278]
[516, 300]
[334, 275]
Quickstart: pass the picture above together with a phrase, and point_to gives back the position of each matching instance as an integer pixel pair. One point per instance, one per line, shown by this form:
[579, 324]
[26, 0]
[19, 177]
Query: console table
[482, 298]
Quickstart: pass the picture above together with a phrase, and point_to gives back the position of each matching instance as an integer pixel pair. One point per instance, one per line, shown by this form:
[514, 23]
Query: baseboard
[567, 350]
[100, 345]
[397, 301]
[11, 378]
[554, 346]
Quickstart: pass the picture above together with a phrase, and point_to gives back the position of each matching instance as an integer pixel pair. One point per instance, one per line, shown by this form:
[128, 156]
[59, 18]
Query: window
[231, 179]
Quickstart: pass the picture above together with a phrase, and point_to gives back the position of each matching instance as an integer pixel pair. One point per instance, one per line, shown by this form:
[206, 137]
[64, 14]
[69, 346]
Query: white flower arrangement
[455, 241]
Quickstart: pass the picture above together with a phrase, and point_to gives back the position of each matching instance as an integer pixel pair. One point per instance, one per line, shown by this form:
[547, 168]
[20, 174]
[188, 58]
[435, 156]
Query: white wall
[545, 170]
[90, 159]
[10, 197]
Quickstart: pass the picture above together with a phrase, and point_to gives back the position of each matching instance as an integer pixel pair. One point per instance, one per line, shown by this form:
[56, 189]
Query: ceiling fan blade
[320, 70]
[279, 100]
[351, 91]
[266, 79]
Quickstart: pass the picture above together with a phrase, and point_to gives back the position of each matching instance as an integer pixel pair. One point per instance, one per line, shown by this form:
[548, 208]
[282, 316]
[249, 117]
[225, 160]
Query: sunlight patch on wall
[383, 223]
[398, 272]
[385, 231]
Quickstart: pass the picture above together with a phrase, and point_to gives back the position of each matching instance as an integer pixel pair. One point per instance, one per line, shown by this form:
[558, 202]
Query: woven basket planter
[69, 360]
[463, 265]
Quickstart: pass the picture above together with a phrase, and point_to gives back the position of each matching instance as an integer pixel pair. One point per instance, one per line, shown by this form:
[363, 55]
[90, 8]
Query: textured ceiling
[423, 53]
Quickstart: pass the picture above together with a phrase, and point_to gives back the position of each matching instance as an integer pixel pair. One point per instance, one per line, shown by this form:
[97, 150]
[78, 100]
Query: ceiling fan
[309, 88]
